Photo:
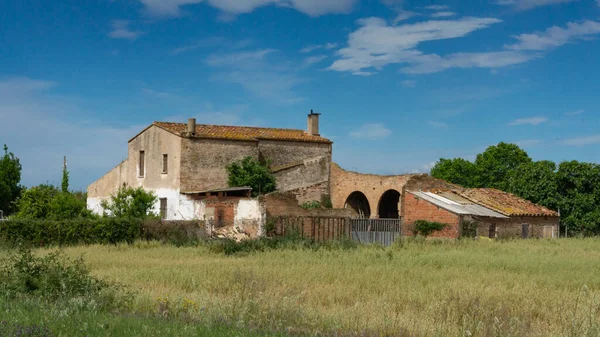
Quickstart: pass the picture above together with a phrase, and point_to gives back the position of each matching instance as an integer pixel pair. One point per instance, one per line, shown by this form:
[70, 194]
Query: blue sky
[399, 83]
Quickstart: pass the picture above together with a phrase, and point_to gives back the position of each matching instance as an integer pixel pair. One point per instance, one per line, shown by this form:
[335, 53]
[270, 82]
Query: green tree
[130, 202]
[49, 203]
[65, 179]
[495, 164]
[457, 171]
[579, 187]
[536, 182]
[10, 179]
[251, 173]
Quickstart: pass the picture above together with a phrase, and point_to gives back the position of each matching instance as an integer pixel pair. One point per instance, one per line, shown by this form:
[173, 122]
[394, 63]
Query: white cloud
[432, 63]
[581, 141]
[529, 121]
[173, 8]
[371, 132]
[404, 15]
[529, 4]
[442, 14]
[313, 60]
[437, 125]
[528, 142]
[408, 83]
[244, 59]
[555, 36]
[312, 48]
[576, 112]
[376, 44]
[437, 7]
[120, 30]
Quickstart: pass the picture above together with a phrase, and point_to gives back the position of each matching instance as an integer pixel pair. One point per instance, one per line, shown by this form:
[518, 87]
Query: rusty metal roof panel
[456, 207]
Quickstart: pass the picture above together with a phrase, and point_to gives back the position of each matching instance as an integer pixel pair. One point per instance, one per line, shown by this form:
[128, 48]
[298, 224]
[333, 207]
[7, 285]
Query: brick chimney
[313, 123]
[191, 127]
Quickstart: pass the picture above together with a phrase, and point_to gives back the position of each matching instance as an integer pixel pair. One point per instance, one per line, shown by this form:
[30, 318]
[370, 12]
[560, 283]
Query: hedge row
[100, 231]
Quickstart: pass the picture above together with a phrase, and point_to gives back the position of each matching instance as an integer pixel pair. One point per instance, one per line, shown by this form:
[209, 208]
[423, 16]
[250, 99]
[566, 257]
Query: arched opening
[359, 203]
[388, 205]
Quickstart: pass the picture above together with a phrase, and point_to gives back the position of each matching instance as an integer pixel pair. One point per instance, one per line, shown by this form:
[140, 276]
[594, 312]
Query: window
[548, 232]
[163, 208]
[165, 164]
[141, 173]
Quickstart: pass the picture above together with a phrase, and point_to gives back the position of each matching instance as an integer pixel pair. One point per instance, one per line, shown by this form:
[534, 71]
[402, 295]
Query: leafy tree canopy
[457, 171]
[10, 179]
[495, 164]
[130, 202]
[50, 203]
[252, 173]
[536, 182]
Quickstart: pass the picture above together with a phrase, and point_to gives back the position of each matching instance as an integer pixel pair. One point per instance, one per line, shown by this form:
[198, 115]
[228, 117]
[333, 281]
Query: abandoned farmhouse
[185, 166]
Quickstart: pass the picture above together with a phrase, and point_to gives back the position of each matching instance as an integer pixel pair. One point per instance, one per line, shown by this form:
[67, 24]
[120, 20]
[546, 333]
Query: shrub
[314, 204]
[426, 228]
[54, 277]
[468, 229]
[47, 202]
[130, 202]
[253, 173]
[178, 233]
[69, 232]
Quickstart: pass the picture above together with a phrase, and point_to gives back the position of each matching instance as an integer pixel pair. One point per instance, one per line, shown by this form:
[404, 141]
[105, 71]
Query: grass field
[465, 288]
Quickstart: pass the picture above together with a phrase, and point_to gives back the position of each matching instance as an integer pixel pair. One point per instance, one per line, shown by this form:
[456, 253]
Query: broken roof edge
[381, 175]
[225, 189]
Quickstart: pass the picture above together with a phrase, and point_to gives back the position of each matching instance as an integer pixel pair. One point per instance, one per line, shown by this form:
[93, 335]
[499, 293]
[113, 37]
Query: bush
[53, 277]
[178, 233]
[468, 229]
[130, 202]
[69, 232]
[47, 202]
[253, 173]
[426, 228]
[314, 204]
[291, 241]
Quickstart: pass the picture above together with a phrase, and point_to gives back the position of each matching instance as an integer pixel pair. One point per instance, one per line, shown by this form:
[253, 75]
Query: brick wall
[373, 186]
[419, 209]
[286, 204]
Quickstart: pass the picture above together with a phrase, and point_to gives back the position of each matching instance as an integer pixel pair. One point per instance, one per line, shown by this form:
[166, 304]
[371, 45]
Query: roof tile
[242, 132]
[505, 203]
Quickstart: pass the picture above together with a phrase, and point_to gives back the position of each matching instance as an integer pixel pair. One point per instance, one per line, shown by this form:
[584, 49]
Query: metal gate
[381, 231]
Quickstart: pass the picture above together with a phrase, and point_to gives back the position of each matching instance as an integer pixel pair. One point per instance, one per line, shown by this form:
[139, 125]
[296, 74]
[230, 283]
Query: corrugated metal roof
[456, 207]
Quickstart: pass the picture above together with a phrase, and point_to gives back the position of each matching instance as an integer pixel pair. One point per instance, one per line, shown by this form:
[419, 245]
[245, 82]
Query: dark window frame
[142, 164]
[163, 208]
[165, 164]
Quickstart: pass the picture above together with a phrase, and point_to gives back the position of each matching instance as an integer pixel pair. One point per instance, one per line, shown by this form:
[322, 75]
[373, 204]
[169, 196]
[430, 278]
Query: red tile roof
[242, 132]
[505, 203]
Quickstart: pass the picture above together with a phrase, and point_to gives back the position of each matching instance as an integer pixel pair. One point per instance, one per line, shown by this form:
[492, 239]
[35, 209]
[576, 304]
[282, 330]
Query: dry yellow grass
[479, 288]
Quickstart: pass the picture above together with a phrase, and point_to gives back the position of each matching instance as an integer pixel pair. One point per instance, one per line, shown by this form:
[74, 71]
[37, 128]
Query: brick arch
[373, 186]
[389, 205]
[359, 203]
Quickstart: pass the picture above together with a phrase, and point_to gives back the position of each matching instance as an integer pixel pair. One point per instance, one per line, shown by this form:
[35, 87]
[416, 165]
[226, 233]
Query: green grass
[438, 288]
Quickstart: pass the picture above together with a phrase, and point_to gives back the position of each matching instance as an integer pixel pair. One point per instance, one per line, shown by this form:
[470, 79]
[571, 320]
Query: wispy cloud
[437, 125]
[408, 83]
[312, 48]
[371, 132]
[442, 14]
[528, 121]
[173, 8]
[313, 60]
[437, 7]
[582, 141]
[576, 112]
[529, 4]
[555, 36]
[120, 30]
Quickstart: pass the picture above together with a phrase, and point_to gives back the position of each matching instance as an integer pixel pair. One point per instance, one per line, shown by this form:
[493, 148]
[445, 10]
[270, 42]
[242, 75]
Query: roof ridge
[233, 126]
